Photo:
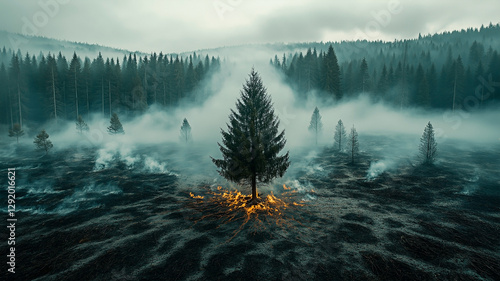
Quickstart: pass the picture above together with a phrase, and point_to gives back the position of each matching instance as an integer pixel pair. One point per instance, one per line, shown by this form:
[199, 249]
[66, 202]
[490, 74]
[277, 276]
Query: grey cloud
[191, 25]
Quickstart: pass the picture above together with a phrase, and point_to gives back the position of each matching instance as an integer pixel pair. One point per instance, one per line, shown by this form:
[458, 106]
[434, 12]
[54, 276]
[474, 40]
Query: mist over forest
[379, 160]
[454, 71]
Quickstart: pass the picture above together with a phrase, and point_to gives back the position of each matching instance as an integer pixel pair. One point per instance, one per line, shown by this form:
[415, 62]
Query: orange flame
[228, 206]
[195, 196]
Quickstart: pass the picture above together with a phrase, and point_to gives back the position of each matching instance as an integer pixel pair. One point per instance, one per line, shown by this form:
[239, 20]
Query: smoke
[151, 141]
[81, 198]
[379, 167]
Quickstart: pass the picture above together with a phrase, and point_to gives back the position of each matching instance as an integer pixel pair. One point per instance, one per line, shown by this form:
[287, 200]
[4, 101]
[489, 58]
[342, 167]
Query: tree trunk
[254, 189]
[102, 95]
[76, 97]
[19, 106]
[340, 137]
[352, 151]
[54, 95]
[454, 93]
[109, 90]
[164, 93]
[10, 110]
[87, 93]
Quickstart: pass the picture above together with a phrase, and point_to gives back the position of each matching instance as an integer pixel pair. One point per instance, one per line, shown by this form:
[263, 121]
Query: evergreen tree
[251, 143]
[331, 74]
[98, 72]
[190, 78]
[458, 82]
[422, 90]
[5, 105]
[18, 84]
[81, 126]
[428, 146]
[432, 83]
[479, 73]
[85, 81]
[353, 144]
[42, 141]
[74, 82]
[115, 125]
[62, 73]
[364, 77]
[315, 126]
[340, 136]
[185, 131]
[52, 98]
[383, 83]
[16, 132]
[349, 81]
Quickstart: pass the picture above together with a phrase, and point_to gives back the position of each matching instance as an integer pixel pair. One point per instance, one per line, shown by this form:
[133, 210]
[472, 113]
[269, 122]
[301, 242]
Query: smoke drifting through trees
[36, 89]
[440, 71]
[81, 126]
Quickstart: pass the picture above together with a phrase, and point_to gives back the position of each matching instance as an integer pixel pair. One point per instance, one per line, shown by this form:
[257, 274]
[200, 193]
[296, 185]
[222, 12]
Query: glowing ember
[195, 197]
[229, 206]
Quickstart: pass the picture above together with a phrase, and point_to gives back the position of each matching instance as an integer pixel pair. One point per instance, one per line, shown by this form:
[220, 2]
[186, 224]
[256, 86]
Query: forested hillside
[35, 89]
[447, 71]
[452, 70]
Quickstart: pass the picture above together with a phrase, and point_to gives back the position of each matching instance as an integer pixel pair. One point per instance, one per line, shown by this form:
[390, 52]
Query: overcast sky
[185, 25]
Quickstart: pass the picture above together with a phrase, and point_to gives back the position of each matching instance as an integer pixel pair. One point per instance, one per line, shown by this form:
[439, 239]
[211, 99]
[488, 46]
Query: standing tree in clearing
[252, 142]
[16, 131]
[81, 126]
[42, 141]
[428, 145]
[185, 131]
[115, 125]
[340, 136]
[353, 144]
[315, 126]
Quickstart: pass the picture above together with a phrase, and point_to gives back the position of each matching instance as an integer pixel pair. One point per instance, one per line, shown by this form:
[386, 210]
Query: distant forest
[36, 89]
[453, 70]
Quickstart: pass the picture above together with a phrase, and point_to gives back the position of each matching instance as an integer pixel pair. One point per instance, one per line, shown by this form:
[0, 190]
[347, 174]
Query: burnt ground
[118, 222]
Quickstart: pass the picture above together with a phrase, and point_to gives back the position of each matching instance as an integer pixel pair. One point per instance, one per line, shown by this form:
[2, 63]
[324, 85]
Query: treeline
[457, 70]
[37, 89]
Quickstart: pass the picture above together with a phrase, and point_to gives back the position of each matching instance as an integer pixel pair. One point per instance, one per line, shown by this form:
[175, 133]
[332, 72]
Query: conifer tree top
[115, 125]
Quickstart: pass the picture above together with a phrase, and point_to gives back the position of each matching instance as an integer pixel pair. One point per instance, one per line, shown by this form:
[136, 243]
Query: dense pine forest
[452, 70]
[36, 89]
[449, 71]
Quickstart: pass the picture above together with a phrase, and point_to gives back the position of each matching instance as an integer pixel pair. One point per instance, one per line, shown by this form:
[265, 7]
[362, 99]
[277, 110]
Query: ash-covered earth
[143, 214]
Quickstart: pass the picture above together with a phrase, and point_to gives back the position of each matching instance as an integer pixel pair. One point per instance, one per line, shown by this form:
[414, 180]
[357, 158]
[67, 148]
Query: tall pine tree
[115, 126]
[428, 146]
[340, 137]
[251, 144]
[42, 141]
[331, 74]
[316, 126]
[353, 144]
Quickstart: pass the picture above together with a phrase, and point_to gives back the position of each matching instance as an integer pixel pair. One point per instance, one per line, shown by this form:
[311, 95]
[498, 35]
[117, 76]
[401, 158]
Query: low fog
[151, 141]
